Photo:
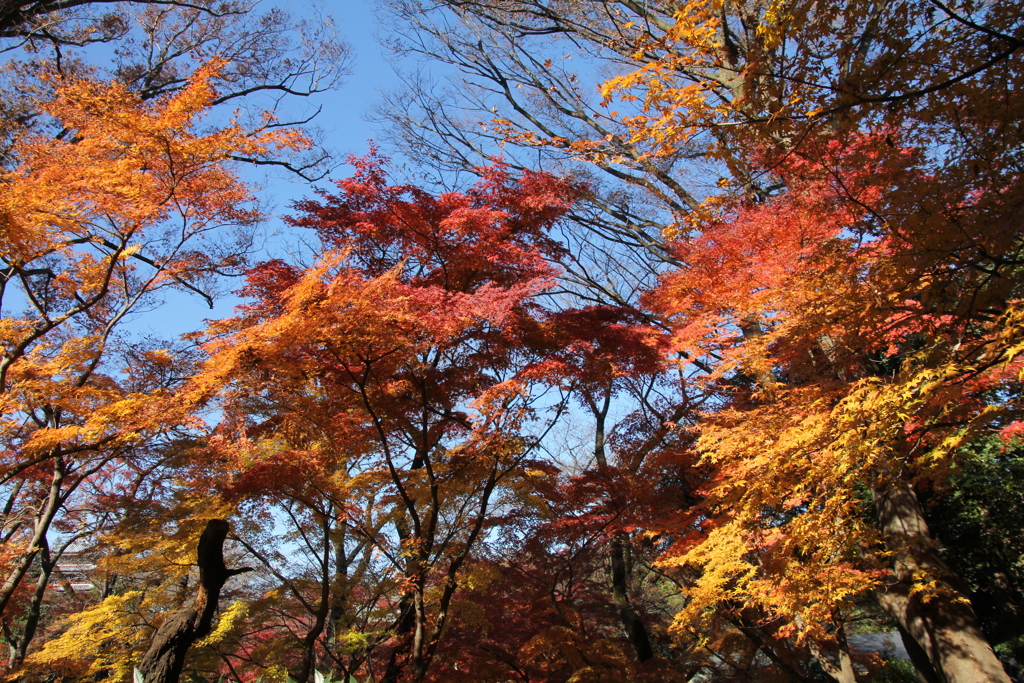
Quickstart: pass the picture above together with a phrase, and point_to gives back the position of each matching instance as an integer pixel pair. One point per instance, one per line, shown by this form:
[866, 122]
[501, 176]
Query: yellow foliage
[228, 621]
[104, 641]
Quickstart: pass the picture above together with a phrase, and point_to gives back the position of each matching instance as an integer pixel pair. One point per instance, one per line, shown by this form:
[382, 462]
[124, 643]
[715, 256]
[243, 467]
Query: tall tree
[860, 337]
[390, 378]
[862, 321]
[96, 223]
[116, 192]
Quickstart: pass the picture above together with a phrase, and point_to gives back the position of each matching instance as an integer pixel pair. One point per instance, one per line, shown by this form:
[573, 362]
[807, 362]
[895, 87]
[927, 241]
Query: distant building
[74, 569]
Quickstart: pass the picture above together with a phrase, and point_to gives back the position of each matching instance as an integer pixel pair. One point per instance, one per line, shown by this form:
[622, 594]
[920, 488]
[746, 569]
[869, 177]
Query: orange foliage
[94, 223]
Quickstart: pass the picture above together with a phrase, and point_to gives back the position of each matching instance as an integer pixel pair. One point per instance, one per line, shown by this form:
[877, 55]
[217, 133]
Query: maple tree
[860, 323]
[539, 607]
[119, 188]
[520, 80]
[271, 61]
[745, 77]
[593, 351]
[380, 396]
[96, 224]
[835, 331]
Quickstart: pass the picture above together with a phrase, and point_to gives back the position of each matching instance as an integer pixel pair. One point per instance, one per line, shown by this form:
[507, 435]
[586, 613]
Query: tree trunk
[165, 657]
[846, 672]
[34, 612]
[42, 527]
[940, 619]
[919, 658]
[836, 661]
[635, 629]
[763, 634]
[403, 630]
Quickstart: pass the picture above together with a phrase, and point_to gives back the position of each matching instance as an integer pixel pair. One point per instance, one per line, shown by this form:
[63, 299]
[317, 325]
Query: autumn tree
[827, 198]
[273, 61]
[719, 84]
[520, 80]
[96, 224]
[538, 605]
[861, 322]
[593, 352]
[857, 390]
[116, 193]
[381, 397]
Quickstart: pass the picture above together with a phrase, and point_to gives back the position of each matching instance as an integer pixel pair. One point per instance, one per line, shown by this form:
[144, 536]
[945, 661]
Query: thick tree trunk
[940, 619]
[419, 662]
[846, 673]
[165, 657]
[919, 658]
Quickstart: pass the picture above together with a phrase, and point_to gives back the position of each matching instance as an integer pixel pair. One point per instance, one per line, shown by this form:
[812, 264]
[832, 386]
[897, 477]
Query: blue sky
[345, 119]
[346, 110]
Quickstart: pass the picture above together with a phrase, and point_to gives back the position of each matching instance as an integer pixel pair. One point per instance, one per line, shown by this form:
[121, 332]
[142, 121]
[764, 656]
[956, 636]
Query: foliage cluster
[746, 368]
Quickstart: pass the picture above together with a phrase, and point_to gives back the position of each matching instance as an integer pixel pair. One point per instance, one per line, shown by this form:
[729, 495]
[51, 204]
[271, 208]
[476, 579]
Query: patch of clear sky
[347, 131]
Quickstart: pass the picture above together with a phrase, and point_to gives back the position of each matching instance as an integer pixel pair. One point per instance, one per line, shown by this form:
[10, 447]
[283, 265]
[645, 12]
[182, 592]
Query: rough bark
[939, 618]
[165, 657]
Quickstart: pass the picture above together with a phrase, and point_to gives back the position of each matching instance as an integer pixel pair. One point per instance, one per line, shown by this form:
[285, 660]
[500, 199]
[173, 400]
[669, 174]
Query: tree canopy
[712, 364]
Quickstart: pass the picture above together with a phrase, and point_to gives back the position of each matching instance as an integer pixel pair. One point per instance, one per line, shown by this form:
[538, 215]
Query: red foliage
[494, 235]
